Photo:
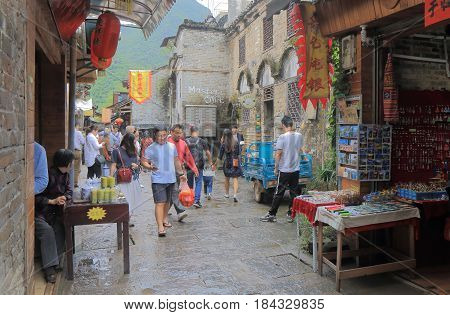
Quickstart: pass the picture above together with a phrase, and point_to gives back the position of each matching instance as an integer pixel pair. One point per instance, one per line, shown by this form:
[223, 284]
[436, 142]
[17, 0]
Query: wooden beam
[372, 270]
[339, 16]
[353, 253]
[47, 35]
[329, 264]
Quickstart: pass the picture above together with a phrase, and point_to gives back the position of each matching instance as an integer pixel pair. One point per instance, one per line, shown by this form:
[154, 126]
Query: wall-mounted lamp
[365, 40]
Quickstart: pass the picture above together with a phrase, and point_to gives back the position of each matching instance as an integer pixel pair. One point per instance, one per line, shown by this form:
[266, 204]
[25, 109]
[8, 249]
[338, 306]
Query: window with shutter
[290, 23]
[293, 104]
[242, 51]
[268, 33]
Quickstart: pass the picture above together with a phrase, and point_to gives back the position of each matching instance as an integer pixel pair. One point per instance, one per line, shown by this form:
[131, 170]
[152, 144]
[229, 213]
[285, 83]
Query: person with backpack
[230, 152]
[198, 148]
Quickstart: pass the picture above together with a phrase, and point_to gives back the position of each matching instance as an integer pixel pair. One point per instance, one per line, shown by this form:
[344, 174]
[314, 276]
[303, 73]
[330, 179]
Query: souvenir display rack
[364, 152]
[421, 139]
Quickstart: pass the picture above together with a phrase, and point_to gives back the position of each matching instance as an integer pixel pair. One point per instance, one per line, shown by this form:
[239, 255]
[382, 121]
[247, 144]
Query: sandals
[162, 233]
[167, 225]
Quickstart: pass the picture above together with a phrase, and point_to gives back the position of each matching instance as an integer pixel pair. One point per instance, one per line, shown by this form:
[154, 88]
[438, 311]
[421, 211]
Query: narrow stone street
[222, 248]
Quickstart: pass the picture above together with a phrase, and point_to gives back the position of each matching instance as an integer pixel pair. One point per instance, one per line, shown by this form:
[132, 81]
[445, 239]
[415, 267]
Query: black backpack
[197, 151]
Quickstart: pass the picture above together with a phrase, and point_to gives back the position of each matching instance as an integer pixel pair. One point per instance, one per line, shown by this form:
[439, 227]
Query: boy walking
[198, 147]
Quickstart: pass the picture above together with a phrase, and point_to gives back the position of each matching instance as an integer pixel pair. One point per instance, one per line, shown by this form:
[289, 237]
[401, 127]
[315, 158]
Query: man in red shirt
[185, 157]
[184, 154]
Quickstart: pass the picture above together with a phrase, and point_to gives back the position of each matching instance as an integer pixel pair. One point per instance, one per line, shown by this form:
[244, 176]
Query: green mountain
[135, 52]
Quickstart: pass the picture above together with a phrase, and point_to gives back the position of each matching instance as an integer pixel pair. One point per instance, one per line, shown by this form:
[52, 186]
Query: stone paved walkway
[222, 248]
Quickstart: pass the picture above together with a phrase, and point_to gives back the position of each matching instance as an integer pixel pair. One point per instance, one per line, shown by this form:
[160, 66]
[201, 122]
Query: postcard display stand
[364, 152]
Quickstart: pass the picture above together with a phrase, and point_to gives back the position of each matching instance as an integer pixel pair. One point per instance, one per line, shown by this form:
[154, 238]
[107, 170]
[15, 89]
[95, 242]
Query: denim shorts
[162, 193]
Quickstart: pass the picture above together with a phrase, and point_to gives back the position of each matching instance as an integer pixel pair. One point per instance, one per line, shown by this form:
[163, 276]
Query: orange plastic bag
[186, 195]
[447, 229]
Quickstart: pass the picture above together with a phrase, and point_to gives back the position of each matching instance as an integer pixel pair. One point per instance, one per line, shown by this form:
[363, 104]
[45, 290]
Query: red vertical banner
[436, 11]
[314, 71]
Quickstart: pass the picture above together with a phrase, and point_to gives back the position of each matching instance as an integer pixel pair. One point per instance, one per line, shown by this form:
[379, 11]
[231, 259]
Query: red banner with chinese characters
[436, 11]
[312, 50]
[140, 85]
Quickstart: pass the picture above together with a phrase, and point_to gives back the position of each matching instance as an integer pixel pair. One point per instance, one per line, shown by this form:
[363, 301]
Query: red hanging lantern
[106, 37]
[99, 63]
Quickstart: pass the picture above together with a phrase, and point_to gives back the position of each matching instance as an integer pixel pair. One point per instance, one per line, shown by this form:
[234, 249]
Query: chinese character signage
[140, 85]
[436, 11]
[312, 50]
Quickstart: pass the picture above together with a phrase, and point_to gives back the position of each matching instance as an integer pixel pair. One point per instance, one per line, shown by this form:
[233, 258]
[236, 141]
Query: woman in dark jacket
[49, 205]
[229, 153]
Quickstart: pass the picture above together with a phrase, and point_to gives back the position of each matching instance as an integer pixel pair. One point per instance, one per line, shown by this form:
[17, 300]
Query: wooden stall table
[308, 208]
[89, 214]
[407, 215]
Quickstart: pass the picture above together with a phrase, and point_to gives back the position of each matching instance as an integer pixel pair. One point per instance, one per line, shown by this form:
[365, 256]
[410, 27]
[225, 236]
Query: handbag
[235, 162]
[100, 159]
[124, 174]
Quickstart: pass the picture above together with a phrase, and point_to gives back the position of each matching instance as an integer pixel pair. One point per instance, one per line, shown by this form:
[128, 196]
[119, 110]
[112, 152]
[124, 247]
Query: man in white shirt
[287, 167]
[115, 137]
[91, 151]
[78, 146]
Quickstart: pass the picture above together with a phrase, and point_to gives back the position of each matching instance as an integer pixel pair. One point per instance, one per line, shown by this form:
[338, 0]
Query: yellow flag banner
[140, 82]
[106, 115]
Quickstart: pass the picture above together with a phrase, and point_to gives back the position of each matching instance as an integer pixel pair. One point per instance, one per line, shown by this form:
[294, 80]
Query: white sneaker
[208, 196]
[226, 196]
[182, 216]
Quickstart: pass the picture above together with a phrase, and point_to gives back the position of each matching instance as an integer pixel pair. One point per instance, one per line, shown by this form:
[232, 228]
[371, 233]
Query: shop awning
[144, 14]
[83, 105]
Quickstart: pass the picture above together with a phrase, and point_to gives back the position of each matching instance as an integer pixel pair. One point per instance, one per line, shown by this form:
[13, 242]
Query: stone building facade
[263, 79]
[199, 76]
[155, 110]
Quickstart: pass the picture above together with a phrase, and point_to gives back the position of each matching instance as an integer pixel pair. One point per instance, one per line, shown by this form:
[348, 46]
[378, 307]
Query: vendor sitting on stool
[49, 227]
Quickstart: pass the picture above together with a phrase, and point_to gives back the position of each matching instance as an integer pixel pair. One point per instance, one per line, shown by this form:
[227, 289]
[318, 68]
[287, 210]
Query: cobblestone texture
[222, 248]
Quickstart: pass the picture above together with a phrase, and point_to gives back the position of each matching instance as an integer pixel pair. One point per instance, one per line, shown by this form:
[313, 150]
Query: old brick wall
[155, 110]
[255, 57]
[12, 147]
[420, 75]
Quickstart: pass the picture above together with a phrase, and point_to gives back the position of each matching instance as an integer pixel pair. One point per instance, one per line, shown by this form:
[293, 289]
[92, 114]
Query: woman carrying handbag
[230, 153]
[126, 169]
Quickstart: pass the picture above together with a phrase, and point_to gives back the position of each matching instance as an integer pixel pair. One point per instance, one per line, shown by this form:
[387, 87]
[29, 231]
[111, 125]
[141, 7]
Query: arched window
[266, 78]
[290, 65]
[244, 87]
